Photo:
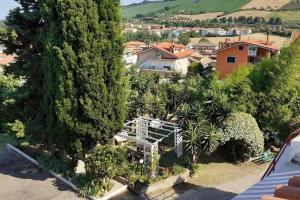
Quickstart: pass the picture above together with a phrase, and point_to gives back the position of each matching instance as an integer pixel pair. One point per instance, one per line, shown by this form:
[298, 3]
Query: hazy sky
[6, 5]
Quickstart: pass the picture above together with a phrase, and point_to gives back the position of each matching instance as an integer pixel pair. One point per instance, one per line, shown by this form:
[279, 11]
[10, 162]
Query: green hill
[192, 6]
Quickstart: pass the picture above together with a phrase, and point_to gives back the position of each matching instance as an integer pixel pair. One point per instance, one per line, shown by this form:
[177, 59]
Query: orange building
[234, 54]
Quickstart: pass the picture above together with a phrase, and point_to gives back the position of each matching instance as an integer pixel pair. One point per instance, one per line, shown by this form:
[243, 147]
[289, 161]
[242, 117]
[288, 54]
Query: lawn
[287, 16]
[6, 138]
[216, 173]
[194, 6]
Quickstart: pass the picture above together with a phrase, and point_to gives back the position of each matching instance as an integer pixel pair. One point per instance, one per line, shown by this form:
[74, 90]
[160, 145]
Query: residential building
[219, 32]
[282, 179]
[204, 47]
[204, 60]
[131, 51]
[213, 31]
[5, 60]
[165, 58]
[129, 58]
[239, 31]
[234, 54]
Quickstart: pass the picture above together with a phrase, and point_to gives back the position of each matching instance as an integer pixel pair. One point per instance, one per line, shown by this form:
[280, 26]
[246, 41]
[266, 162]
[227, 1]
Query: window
[230, 59]
[167, 67]
[241, 47]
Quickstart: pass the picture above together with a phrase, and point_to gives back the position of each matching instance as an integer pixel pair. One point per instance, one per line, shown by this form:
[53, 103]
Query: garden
[63, 104]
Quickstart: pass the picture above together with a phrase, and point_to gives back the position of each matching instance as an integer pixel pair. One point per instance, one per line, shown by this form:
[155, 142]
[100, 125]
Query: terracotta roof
[258, 43]
[167, 47]
[135, 43]
[294, 37]
[6, 59]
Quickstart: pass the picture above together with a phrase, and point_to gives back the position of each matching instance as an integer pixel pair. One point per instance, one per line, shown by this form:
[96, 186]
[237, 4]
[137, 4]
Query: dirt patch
[277, 41]
[266, 4]
[249, 13]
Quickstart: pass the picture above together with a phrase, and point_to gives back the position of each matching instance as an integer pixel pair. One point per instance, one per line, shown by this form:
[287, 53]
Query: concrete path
[22, 180]
[225, 191]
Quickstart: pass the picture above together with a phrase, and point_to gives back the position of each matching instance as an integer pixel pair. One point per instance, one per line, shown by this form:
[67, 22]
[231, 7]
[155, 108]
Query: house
[213, 31]
[239, 31]
[165, 58]
[238, 53]
[219, 32]
[131, 51]
[5, 59]
[129, 57]
[204, 60]
[204, 46]
[282, 179]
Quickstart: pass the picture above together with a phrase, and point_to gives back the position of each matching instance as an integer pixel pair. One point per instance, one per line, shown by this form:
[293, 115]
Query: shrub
[51, 163]
[101, 166]
[17, 128]
[105, 161]
[242, 136]
[177, 169]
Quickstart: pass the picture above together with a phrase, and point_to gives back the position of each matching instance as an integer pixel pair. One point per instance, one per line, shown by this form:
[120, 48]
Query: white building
[219, 32]
[239, 31]
[213, 31]
[129, 58]
[165, 58]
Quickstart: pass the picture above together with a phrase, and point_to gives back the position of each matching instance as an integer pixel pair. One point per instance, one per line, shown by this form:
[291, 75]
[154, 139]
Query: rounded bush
[242, 136]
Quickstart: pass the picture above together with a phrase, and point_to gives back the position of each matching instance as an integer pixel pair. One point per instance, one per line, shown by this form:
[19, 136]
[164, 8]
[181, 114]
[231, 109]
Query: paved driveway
[22, 180]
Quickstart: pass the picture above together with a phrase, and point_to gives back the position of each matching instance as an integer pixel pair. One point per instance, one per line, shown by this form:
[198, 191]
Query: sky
[6, 5]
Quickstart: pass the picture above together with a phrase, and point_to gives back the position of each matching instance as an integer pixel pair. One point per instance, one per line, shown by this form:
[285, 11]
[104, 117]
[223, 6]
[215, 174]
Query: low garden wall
[159, 185]
[167, 183]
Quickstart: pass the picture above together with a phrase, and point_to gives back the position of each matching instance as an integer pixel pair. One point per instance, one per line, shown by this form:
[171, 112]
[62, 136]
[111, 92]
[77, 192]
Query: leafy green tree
[238, 89]
[184, 39]
[85, 89]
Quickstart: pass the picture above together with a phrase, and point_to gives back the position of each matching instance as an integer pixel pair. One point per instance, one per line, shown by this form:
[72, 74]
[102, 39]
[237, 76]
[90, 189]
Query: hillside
[191, 6]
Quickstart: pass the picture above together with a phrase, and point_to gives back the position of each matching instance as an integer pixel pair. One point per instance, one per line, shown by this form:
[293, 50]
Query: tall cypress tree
[84, 75]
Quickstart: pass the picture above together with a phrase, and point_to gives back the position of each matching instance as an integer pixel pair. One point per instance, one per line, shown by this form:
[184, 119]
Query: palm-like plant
[201, 139]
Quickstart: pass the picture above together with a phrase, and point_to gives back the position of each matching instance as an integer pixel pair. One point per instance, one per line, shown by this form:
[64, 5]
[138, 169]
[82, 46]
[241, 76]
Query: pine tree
[84, 83]
[22, 37]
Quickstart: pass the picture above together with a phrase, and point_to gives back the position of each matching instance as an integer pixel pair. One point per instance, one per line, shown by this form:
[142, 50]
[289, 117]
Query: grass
[216, 173]
[194, 6]
[6, 138]
[294, 5]
[287, 16]
[219, 170]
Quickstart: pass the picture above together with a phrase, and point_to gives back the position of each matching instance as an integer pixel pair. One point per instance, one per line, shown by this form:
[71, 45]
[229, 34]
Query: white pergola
[147, 132]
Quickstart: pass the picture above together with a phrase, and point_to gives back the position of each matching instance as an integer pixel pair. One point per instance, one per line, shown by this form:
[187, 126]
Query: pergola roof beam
[165, 122]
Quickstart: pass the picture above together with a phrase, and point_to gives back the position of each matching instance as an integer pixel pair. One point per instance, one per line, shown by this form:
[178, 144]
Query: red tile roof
[258, 43]
[6, 59]
[180, 50]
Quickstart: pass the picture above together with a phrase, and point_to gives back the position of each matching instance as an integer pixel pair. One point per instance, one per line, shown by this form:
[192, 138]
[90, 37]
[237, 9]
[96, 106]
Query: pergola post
[141, 130]
[178, 142]
[147, 133]
[150, 158]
